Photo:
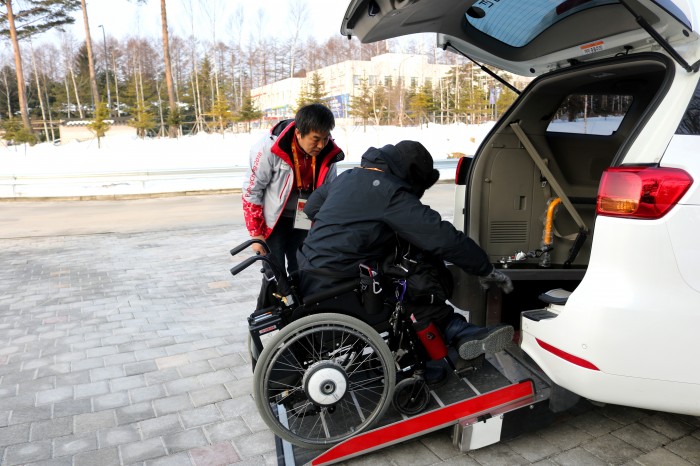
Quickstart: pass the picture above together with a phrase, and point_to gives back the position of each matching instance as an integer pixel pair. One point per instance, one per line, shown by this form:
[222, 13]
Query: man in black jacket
[357, 219]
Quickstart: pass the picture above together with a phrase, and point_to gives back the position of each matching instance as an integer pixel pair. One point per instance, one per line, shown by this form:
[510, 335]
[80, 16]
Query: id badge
[301, 221]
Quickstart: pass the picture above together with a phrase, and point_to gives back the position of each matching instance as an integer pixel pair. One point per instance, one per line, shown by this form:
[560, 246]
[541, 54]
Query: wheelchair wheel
[323, 379]
[411, 396]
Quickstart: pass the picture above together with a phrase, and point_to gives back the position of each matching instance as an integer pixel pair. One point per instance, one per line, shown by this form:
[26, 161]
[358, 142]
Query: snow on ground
[128, 153]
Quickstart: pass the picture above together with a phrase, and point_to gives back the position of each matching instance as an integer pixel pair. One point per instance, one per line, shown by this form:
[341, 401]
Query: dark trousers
[283, 243]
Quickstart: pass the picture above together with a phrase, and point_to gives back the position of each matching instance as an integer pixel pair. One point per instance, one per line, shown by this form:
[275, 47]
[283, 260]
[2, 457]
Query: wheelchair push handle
[236, 269]
[247, 244]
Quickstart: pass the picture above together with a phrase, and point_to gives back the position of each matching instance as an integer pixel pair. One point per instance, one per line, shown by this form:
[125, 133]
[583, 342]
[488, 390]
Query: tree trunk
[7, 89]
[21, 90]
[173, 129]
[91, 62]
[77, 96]
[116, 87]
[38, 91]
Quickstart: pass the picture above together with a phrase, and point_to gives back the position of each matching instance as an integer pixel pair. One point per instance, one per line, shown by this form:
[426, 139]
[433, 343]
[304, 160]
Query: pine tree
[380, 101]
[249, 112]
[34, 17]
[361, 105]
[421, 103]
[314, 93]
[317, 91]
[16, 133]
[221, 113]
[99, 125]
[143, 121]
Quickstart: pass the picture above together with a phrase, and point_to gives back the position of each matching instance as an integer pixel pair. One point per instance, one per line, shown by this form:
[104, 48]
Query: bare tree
[91, 60]
[21, 91]
[174, 120]
[299, 15]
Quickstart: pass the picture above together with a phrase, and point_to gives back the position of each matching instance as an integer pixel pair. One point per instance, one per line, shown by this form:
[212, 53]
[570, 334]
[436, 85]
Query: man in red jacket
[286, 166]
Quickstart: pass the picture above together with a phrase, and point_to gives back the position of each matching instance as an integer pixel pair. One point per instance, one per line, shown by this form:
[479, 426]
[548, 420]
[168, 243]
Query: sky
[122, 18]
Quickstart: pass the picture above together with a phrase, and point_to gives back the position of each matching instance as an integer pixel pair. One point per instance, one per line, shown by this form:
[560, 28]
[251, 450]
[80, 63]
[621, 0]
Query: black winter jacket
[357, 216]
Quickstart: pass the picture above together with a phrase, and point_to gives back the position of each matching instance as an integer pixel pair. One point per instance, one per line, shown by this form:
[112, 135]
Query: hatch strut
[662, 42]
[483, 68]
[535, 156]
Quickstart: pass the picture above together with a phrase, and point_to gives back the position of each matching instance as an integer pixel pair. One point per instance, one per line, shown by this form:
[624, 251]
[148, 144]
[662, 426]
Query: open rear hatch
[534, 37]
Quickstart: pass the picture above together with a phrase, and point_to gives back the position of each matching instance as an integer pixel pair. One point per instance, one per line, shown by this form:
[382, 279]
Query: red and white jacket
[270, 177]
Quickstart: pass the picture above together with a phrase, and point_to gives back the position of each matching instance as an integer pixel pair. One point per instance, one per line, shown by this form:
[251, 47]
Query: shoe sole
[493, 343]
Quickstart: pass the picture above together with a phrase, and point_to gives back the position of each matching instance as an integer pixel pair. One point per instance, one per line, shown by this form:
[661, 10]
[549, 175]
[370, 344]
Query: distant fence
[143, 183]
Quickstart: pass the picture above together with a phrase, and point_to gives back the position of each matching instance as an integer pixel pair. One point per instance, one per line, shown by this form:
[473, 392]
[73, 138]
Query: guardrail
[146, 182]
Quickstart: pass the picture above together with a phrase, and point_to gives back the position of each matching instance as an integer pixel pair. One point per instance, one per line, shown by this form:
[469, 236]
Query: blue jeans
[457, 328]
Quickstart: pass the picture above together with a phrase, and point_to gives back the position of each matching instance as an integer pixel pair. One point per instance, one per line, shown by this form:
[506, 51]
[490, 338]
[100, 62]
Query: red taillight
[462, 170]
[566, 356]
[641, 192]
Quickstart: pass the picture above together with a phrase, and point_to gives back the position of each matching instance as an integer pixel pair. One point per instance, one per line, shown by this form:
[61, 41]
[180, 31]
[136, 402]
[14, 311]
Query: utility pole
[109, 97]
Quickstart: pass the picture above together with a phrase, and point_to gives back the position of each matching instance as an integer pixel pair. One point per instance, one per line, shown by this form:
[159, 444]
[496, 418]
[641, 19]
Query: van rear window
[594, 114]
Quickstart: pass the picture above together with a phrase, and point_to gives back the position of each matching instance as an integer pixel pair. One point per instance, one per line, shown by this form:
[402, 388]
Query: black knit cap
[420, 164]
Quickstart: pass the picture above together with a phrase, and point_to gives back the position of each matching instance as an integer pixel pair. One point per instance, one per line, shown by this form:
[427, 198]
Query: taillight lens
[641, 192]
[462, 170]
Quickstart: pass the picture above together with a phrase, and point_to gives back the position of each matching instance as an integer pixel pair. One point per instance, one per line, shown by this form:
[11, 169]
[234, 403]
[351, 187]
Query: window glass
[598, 114]
[517, 22]
[690, 123]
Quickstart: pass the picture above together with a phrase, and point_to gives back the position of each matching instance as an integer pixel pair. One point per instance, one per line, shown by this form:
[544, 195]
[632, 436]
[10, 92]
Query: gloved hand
[496, 278]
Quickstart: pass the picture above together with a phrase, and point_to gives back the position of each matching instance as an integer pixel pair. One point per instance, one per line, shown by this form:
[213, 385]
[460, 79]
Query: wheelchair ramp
[499, 400]
[427, 422]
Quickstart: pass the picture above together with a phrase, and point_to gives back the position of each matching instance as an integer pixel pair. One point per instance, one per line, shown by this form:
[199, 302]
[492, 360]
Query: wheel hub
[325, 383]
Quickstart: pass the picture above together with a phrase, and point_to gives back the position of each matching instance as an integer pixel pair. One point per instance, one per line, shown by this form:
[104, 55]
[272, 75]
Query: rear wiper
[662, 42]
[483, 68]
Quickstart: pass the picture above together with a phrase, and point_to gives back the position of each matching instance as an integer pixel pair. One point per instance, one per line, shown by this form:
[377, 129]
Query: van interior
[554, 143]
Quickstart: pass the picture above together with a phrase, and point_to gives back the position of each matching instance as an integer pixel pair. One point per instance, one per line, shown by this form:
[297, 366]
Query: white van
[587, 186]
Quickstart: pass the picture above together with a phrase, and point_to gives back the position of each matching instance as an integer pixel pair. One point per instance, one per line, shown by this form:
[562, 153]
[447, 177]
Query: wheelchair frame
[354, 361]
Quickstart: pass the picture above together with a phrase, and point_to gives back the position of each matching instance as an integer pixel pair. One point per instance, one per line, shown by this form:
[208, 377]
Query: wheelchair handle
[279, 276]
[236, 269]
[247, 244]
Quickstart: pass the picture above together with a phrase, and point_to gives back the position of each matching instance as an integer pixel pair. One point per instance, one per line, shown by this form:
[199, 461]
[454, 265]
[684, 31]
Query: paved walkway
[128, 348]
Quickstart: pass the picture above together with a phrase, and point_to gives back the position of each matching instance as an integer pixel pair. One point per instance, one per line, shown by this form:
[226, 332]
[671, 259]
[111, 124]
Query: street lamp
[109, 97]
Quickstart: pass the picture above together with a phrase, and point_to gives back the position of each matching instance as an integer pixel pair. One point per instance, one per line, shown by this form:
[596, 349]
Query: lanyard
[297, 171]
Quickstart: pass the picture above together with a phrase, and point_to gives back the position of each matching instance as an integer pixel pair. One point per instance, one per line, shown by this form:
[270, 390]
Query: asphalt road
[21, 219]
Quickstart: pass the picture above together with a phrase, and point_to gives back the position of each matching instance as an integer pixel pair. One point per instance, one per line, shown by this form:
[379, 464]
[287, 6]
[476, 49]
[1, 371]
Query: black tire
[411, 396]
[314, 385]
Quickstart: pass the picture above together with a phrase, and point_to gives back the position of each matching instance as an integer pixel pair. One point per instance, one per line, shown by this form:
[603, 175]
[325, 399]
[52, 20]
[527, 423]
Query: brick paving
[121, 349]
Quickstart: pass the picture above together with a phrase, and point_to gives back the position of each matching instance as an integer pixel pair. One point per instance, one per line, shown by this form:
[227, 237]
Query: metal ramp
[496, 401]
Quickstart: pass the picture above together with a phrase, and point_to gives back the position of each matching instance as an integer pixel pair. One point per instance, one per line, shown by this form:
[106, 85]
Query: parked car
[588, 185]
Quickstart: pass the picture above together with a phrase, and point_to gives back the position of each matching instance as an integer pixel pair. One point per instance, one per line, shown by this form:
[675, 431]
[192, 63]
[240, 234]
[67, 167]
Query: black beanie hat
[420, 164]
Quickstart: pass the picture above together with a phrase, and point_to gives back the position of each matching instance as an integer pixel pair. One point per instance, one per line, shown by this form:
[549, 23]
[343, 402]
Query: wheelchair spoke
[319, 350]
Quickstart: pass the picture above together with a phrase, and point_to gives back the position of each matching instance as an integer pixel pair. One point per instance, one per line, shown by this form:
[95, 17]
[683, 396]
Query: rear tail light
[462, 170]
[641, 192]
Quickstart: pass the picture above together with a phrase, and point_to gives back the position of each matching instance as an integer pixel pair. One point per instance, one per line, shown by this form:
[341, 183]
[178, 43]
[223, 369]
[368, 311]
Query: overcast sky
[122, 18]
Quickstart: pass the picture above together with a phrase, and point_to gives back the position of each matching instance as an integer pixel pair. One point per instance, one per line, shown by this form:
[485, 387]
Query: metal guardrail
[143, 182]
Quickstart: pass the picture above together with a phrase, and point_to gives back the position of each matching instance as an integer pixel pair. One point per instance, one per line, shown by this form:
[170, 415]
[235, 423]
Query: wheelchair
[328, 366]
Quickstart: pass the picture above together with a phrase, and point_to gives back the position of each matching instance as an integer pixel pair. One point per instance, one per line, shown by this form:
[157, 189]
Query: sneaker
[490, 340]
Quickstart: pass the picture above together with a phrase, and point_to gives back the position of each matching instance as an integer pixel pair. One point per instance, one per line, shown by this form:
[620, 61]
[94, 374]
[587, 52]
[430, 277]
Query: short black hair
[314, 117]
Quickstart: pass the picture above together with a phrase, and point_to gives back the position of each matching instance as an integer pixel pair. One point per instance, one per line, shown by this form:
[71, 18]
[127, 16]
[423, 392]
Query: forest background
[197, 76]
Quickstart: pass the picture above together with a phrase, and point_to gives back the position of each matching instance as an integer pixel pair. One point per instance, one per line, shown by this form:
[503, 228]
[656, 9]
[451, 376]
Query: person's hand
[257, 247]
[496, 278]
